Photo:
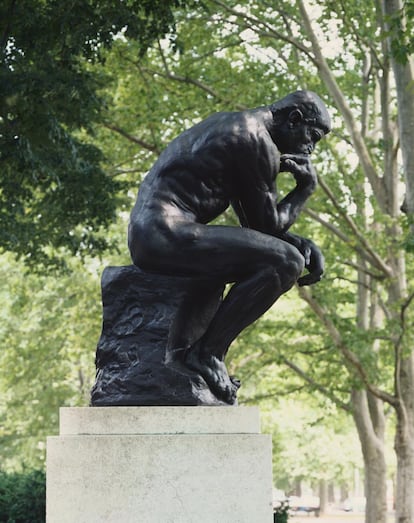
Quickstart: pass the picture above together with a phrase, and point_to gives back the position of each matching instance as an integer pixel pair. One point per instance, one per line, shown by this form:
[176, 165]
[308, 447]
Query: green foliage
[104, 111]
[401, 32]
[54, 191]
[281, 514]
[48, 332]
[238, 54]
[310, 445]
[23, 497]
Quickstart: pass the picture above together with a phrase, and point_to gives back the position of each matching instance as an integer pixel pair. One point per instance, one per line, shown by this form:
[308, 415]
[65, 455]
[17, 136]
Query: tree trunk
[404, 376]
[372, 444]
[404, 80]
[331, 493]
[404, 445]
[404, 503]
[323, 496]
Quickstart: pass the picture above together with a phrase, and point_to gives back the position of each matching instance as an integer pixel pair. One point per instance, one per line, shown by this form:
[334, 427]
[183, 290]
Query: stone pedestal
[159, 465]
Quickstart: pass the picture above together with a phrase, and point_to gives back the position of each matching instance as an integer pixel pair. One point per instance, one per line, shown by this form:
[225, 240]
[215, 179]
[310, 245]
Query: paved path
[334, 518]
[330, 518]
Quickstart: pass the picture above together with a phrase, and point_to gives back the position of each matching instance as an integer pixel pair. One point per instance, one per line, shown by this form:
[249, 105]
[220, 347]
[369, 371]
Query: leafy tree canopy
[53, 189]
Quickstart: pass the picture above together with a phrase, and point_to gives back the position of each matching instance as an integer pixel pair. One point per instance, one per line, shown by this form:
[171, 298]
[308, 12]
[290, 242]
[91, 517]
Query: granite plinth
[158, 465]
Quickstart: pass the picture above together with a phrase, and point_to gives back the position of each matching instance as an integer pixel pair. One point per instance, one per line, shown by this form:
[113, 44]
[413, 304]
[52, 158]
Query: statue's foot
[215, 374]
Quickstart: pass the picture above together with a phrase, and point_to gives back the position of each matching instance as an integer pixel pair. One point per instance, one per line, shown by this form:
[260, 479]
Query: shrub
[23, 497]
[281, 514]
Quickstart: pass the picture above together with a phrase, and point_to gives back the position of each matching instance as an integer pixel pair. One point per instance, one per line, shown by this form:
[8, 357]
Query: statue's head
[300, 120]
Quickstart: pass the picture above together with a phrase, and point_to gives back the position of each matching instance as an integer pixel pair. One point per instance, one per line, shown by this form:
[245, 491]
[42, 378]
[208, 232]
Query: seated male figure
[232, 158]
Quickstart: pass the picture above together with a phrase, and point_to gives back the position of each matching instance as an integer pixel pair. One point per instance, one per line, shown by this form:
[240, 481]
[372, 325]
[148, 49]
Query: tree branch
[349, 356]
[376, 182]
[191, 81]
[124, 171]
[343, 237]
[331, 227]
[300, 372]
[150, 147]
[366, 271]
[398, 345]
[277, 394]
[348, 21]
[251, 22]
[375, 258]
[222, 47]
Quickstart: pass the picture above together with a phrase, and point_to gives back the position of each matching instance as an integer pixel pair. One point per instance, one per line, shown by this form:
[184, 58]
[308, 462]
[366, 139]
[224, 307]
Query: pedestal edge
[159, 420]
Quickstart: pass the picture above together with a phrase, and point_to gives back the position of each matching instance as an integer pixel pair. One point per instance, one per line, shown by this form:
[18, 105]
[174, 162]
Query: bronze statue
[232, 158]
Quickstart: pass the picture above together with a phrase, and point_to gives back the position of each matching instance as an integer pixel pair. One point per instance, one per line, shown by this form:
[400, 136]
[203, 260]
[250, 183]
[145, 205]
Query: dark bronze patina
[231, 158]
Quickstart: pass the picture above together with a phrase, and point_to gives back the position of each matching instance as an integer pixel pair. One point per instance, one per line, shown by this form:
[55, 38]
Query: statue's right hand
[301, 167]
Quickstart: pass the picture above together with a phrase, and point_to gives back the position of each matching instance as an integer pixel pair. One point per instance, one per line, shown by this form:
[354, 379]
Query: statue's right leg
[264, 269]
[261, 268]
[246, 301]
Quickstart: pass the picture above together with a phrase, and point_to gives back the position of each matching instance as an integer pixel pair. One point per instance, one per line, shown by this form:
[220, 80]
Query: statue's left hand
[314, 263]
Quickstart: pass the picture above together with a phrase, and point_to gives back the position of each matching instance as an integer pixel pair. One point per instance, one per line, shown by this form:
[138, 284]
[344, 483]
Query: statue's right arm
[314, 259]
[302, 169]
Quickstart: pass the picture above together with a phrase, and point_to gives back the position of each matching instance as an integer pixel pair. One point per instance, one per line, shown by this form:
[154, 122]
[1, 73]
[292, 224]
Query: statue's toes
[230, 393]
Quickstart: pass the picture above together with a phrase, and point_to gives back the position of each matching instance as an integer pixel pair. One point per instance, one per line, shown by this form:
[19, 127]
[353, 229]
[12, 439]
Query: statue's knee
[297, 261]
[295, 264]
[291, 267]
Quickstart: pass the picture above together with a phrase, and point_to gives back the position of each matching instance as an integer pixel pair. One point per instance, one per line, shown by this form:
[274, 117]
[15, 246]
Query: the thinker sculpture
[231, 158]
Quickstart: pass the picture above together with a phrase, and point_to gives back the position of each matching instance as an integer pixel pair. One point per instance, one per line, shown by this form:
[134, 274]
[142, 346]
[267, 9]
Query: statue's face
[299, 134]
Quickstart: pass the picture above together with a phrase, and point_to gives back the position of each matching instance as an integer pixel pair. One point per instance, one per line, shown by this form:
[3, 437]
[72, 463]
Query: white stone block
[152, 477]
[159, 420]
